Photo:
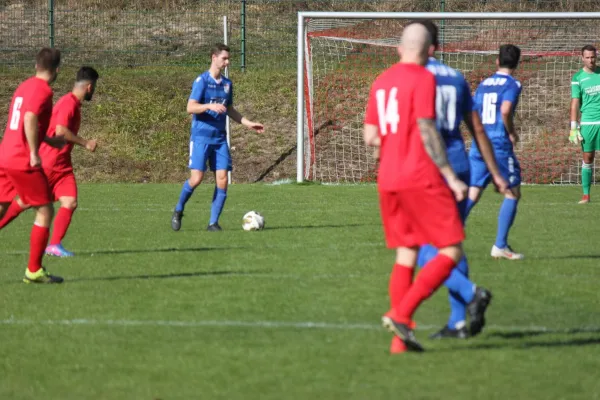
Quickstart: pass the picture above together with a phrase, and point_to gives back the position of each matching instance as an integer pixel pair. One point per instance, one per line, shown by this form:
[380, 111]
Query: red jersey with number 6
[66, 112]
[400, 96]
[34, 95]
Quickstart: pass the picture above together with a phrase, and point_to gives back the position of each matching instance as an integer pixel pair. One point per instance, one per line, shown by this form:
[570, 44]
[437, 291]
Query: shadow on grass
[534, 332]
[197, 274]
[527, 345]
[320, 226]
[150, 250]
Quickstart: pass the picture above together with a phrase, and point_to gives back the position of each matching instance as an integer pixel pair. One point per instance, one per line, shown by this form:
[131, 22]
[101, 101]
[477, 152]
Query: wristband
[573, 124]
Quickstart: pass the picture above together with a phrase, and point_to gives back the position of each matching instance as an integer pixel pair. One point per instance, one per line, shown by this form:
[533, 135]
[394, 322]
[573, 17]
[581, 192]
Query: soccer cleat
[57, 250]
[585, 199]
[176, 220]
[214, 227]
[41, 276]
[449, 333]
[404, 332]
[476, 310]
[506, 252]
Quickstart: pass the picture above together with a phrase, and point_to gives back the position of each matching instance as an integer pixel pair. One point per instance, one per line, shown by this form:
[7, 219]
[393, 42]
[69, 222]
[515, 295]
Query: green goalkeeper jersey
[586, 88]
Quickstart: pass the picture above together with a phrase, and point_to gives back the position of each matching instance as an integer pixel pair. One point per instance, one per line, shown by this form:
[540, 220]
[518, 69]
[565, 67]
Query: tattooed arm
[436, 148]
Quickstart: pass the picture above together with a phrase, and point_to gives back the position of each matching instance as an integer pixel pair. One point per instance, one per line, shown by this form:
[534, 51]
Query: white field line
[267, 325]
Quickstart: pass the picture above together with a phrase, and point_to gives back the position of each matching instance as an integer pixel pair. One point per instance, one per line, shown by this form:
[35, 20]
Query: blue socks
[186, 193]
[219, 197]
[506, 217]
[470, 205]
[461, 289]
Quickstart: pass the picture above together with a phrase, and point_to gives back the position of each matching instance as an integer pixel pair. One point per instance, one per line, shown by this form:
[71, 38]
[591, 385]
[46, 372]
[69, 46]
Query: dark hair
[508, 56]
[431, 28]
[48, 59]
[87, 74]
[218, 48]
[588, 47]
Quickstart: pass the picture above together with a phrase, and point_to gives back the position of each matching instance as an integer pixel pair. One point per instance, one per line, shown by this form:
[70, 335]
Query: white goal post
[341, 53]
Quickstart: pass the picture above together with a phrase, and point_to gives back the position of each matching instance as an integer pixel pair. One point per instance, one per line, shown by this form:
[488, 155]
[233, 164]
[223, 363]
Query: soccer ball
[253, 221]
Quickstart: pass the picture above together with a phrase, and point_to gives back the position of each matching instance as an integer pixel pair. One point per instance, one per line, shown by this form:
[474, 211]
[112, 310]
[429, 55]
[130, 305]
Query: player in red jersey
[20, 164]
[65, 122]
[417, 187]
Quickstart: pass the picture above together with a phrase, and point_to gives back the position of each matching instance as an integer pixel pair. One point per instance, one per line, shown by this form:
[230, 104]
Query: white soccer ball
[253, 221]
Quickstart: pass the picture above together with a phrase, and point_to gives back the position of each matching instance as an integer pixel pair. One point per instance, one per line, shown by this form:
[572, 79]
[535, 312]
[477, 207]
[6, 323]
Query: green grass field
[291, 312]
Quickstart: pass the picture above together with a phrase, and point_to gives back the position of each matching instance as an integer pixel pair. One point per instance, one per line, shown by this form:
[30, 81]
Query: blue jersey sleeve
[512, 93]
[198, 88]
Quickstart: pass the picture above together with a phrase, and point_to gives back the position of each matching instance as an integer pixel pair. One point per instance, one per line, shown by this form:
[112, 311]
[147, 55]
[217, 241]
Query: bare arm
[575, 103]
[69, 137]
[240, 119]
[30, 123]
[436, 148]
[371, 135]
[506, 109]
[473, 122]
[193, 107]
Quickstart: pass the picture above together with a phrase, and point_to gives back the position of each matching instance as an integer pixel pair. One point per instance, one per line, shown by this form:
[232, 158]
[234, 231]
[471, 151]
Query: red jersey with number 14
[66, 112]
[33, 95]
[399, 97]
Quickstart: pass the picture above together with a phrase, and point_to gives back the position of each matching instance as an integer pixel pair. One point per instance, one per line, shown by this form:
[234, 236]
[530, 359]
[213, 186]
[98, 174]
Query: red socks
[431, 277]
[38, 242]
[13, 211]
[400, 282]
[61, 224]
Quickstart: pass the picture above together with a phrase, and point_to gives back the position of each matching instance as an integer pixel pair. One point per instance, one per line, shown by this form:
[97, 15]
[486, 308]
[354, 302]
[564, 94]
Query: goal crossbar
[302, 72]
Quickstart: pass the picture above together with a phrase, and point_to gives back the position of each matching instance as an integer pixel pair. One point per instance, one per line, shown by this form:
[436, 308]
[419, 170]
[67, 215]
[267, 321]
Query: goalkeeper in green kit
[585, 97]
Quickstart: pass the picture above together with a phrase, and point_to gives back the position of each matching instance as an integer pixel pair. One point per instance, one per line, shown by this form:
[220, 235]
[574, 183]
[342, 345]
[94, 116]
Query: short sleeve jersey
[33, 95]
[585, 86]
[399, 97]
[453, 100]
[66, 112]
[489, 96]
[210, 127]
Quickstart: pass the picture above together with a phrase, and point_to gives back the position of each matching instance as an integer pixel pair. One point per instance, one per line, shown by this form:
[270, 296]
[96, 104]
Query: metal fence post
[243, 30]
[51, 22]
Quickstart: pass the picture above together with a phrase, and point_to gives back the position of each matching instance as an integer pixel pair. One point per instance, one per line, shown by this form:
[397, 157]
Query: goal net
[342, 57]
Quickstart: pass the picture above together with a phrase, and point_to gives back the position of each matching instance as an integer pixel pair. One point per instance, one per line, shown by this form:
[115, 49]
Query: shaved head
[414, 44]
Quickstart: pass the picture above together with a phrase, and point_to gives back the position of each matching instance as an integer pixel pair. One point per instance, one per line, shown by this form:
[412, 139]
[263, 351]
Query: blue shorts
[507, 164]
[216, 155]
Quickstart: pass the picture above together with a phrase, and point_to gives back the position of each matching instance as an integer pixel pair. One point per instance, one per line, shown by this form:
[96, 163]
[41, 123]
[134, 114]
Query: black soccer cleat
[476, 310]
[449, 333]
[403, 332]
[176, 220]
[214, 227]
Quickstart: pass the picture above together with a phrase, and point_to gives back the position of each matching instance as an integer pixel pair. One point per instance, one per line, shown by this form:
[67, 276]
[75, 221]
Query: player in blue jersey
[453, 105]
[210, 102]
[495, 101]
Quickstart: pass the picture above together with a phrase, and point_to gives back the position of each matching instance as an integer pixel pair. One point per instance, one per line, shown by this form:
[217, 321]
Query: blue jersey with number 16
[210, 127]
[490, 95]
[453, 99]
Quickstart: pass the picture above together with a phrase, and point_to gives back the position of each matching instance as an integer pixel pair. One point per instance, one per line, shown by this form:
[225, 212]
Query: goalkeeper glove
[575, 134]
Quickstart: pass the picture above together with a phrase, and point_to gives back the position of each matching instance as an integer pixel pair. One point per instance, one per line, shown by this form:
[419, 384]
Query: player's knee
[222, 182]
[70, 203]
[44, 214]
[195, 179]
[22, 205]
[454, 252]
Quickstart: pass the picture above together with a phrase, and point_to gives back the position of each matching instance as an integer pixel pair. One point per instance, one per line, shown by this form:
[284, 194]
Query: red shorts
[415, 217]
[62, 183]
[31, 187]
